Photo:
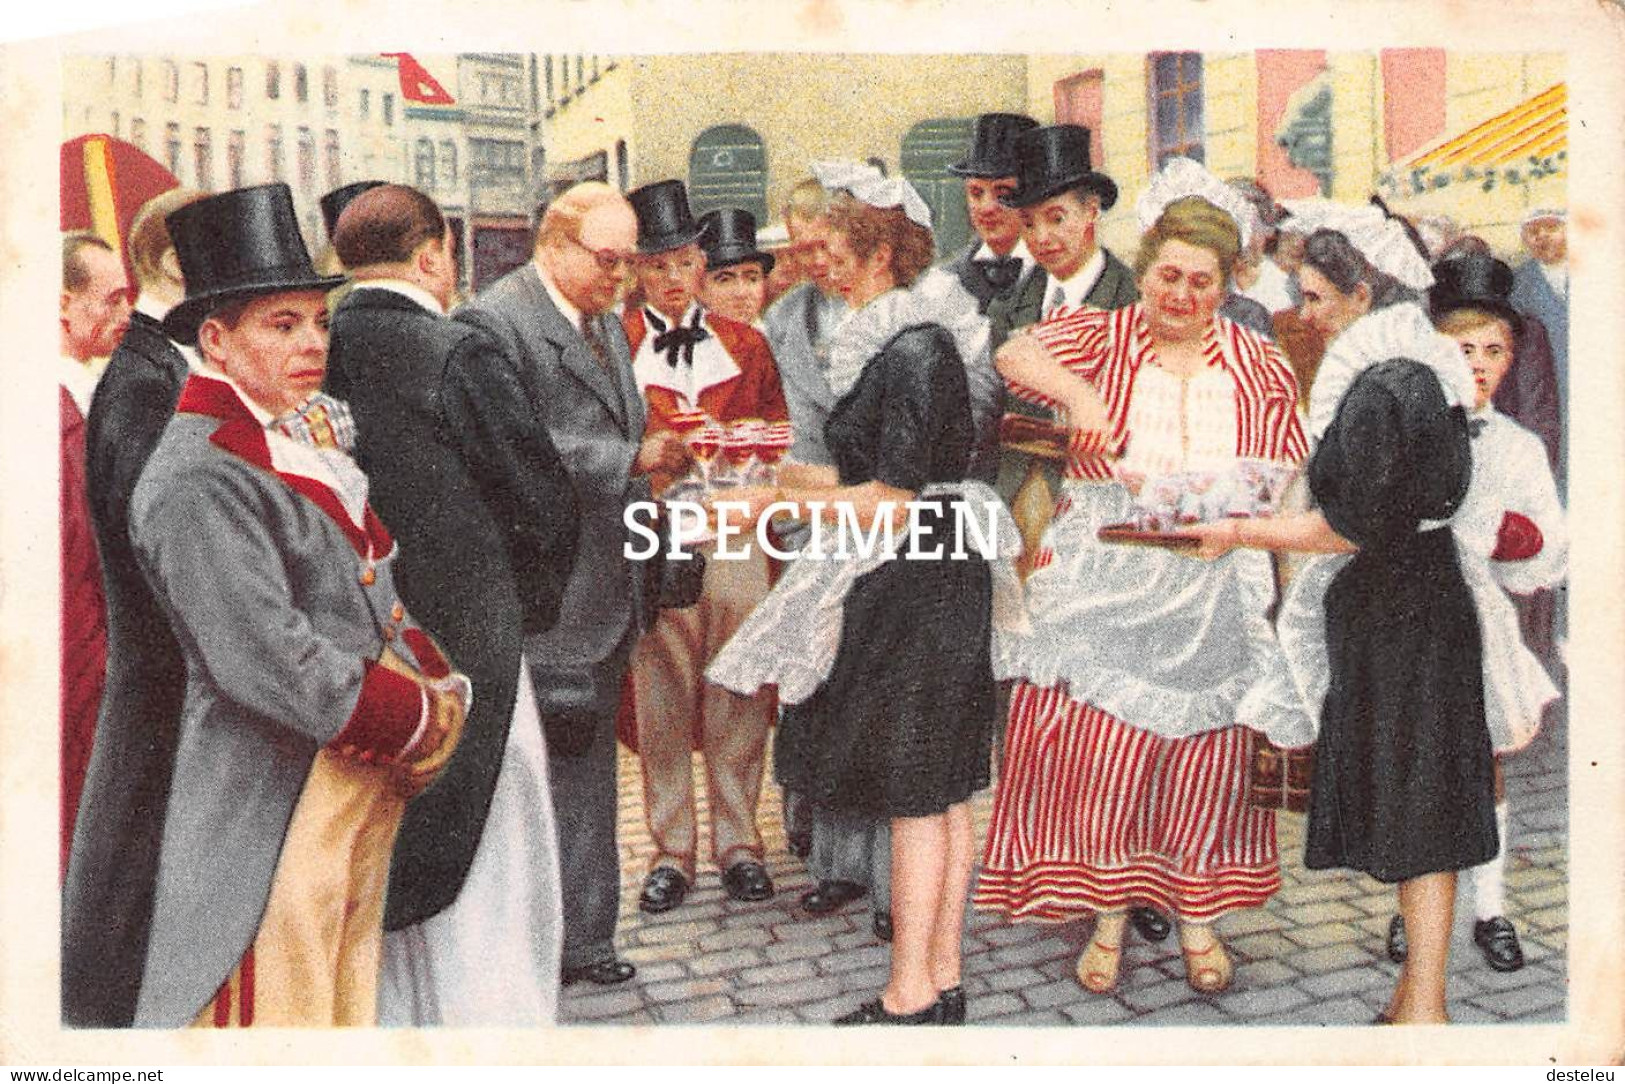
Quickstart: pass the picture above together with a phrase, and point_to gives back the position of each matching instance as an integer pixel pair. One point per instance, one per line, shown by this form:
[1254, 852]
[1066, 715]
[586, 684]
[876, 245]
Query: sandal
[1094, 974]
[1211, 978]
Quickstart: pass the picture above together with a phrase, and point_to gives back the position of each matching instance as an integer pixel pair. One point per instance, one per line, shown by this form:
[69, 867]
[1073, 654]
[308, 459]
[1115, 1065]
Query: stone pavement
[1314, 955]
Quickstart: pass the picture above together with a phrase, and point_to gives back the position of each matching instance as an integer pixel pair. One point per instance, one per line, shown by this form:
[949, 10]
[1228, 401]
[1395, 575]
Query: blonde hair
[1460, 321]
[1194, 221]
[149, 234]
[807, 200]
[563, 217]
[867, 227]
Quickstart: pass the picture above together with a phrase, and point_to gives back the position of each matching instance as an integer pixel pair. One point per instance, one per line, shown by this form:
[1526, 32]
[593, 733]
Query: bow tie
[677, 343]
[991, 277]
[1476, 426]
[321, 422]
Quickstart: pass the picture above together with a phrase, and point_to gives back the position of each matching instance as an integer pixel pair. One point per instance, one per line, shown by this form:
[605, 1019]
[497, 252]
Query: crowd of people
[351, 632]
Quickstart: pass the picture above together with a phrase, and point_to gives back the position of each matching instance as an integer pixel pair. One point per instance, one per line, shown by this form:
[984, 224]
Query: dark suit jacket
[960, 265]
[1114, 289]
[595, 418]
[107, 900]
[479, 502]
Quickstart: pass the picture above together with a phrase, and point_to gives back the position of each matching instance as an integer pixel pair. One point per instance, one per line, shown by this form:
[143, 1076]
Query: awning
[1524, 144]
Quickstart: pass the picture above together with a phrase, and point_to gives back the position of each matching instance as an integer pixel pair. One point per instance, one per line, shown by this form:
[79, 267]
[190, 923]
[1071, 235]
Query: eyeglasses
[609, 262]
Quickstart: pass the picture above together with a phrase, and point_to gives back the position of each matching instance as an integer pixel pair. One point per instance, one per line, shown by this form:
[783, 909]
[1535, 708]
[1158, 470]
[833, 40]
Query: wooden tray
[1124, 534]
[1033, 436]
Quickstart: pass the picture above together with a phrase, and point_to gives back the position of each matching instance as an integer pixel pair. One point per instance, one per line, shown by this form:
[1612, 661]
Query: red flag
[417, 85]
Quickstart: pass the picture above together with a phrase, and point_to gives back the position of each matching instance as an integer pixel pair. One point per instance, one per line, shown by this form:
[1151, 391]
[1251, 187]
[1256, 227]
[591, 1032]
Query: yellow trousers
[314, 960]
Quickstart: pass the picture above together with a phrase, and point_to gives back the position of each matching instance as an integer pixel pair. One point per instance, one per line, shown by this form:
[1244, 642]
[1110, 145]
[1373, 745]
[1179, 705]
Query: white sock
[1489, 880]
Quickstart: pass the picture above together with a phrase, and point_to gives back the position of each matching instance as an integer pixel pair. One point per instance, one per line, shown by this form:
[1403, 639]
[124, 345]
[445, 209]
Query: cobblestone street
[1313, 956]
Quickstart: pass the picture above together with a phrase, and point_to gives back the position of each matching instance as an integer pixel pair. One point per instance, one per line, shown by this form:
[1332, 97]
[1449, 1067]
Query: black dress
[1404, 771]
[903, 725]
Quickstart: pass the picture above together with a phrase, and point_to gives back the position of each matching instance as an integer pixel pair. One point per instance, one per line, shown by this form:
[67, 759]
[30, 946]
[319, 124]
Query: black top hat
[334, 203]
[1054, 160]
[993, 145]
[239, 244]
[664, 220]
[1473, 281]
[730, 238]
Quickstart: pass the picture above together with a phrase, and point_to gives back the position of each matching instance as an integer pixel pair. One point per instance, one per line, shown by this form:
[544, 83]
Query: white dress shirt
[1070, 293]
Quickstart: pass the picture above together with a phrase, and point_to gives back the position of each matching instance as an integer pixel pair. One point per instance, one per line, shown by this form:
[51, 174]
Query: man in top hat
[996, 259]
[1511, 516]
[570, 361]
[95, 308]
[687, 358]
[1061, 198]
[314, 705]
[486, 519]
[736, 270]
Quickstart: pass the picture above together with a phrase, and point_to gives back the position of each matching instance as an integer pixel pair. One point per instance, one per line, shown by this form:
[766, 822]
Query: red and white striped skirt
[1091, 814]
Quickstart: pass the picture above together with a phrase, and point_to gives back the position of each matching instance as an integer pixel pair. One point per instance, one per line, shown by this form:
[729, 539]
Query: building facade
[319, 122]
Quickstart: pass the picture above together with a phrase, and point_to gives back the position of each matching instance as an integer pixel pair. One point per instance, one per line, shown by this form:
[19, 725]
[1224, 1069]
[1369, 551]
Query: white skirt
[492, 958]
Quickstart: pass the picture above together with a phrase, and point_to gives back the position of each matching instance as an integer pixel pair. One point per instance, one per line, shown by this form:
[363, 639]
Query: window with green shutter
[728, 168]
[929, 148]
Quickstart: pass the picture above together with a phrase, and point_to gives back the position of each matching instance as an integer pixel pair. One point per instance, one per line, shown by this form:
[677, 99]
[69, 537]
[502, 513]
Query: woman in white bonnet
[1386, 644]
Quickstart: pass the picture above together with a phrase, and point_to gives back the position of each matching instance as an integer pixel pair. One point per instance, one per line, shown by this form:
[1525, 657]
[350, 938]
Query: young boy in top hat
[996, 259]
[314, 706]
[686, 358]
[1511, 516]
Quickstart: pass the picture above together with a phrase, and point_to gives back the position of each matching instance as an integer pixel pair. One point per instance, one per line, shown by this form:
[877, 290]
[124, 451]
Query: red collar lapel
[242, 435]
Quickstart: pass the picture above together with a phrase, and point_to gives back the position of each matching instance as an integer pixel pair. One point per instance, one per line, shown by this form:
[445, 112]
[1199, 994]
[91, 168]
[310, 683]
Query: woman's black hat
[1054, 160]
[239, 244]
[664, 220]
[730, 238]
[993, 145]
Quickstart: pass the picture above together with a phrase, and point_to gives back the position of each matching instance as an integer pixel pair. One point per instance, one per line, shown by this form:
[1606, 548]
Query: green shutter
[929, 148]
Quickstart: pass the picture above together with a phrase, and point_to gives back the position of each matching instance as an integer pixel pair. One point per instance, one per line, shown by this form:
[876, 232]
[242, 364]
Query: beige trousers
[674, 704]
[314, 961]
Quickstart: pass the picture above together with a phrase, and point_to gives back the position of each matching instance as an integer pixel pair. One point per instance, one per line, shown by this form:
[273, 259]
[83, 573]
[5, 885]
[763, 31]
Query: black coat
[113, 868]
[485, 517]
[1006, 313]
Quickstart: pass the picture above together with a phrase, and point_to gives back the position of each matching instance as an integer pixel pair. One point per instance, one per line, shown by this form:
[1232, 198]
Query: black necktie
[993, 276]
[1475, 426]
[677, 343]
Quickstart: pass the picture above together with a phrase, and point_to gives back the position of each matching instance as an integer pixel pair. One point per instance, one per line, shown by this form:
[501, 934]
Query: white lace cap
[1380, 239]
[1182, 177]
[868, 184]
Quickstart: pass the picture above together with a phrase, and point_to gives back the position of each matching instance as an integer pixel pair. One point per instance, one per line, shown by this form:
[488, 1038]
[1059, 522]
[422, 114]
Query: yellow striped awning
[1537, 128]
[1523, 146]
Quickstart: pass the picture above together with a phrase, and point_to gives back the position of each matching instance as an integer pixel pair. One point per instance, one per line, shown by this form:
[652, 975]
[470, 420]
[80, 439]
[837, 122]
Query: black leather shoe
[663, 890]
[951, 1007]
[1150, 923]
[747, 882]
[1398, 947]
[883, 928]
[832, 896]
[1497, 939]
[603, 973]
[873, 1012]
